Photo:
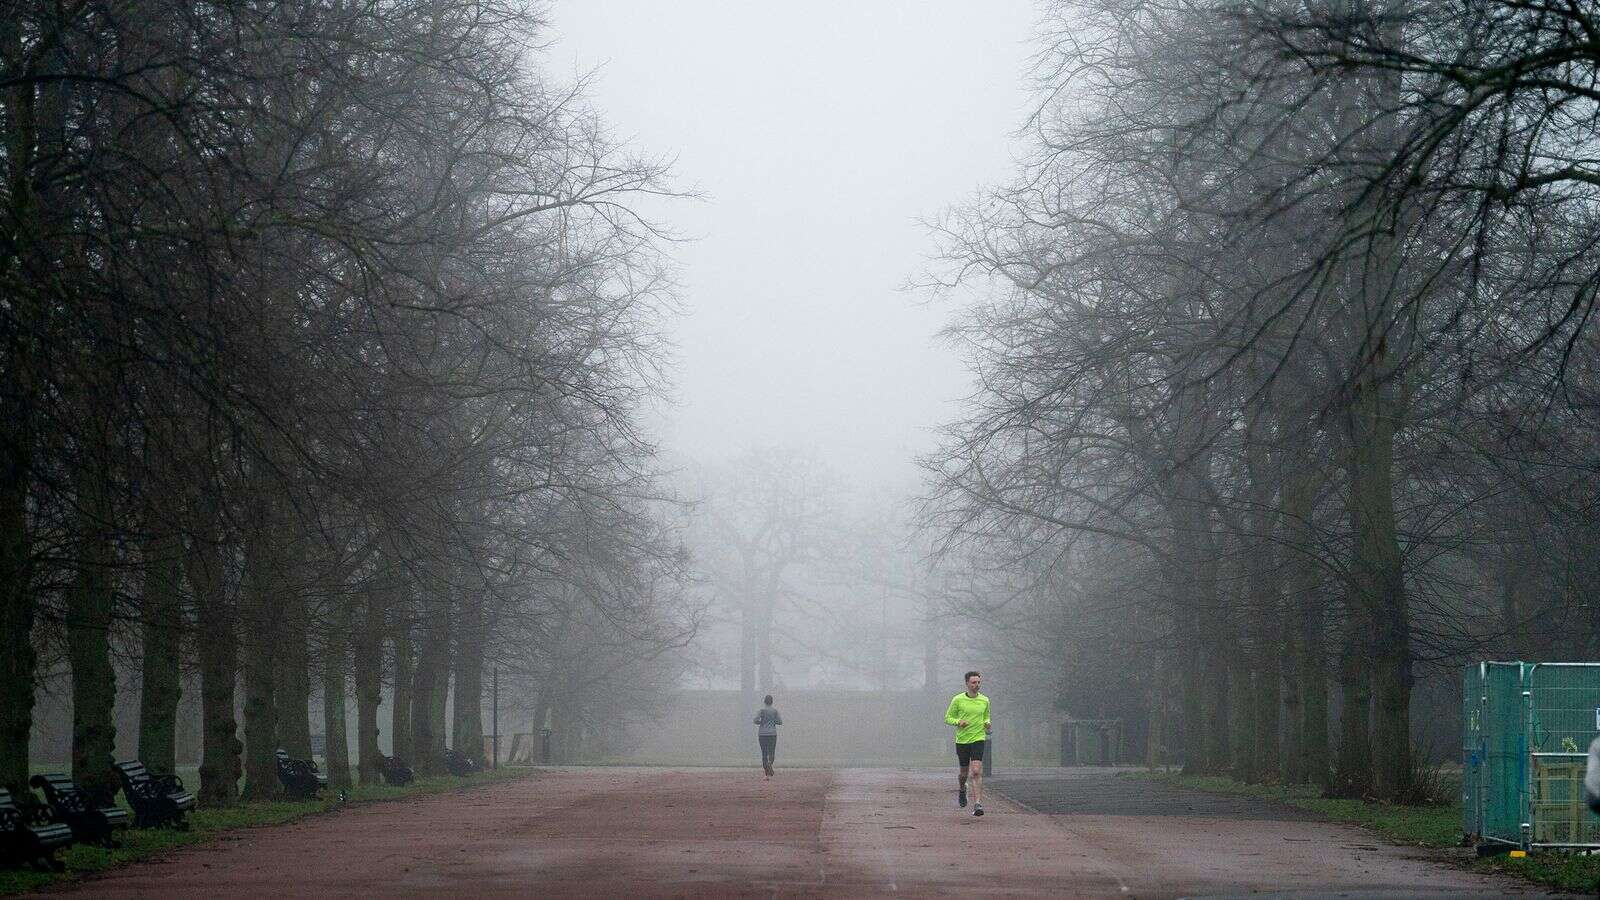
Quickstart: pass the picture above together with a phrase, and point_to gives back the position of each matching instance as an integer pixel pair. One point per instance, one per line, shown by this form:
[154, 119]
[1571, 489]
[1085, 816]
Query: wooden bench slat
[89, 822]
[26, 843]
[157, 800]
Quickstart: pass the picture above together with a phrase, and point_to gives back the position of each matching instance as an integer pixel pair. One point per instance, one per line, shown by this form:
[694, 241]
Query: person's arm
[986, 718]
[777, 717]
[950, 714]
[758, 718]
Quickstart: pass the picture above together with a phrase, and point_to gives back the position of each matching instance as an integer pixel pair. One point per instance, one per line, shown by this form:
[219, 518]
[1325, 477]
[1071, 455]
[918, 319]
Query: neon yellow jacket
[975, 710]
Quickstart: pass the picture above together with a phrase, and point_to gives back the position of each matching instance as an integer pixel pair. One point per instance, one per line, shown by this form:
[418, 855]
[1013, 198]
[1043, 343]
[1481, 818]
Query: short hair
[768, 700]
[968, 677]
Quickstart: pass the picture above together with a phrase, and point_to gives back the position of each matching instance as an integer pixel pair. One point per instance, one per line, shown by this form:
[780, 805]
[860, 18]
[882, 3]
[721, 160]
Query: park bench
[459, 764]
[396, 773]
[156, 799]
[91, 822]
[25, 841]
[300, 777]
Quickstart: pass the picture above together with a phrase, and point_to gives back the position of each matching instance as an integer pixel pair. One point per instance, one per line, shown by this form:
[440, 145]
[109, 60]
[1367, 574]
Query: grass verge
[206, 824]
[1424, 826]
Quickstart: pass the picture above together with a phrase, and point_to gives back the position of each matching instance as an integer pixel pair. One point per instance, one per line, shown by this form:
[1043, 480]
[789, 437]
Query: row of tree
[322, 331]
[1285, 395]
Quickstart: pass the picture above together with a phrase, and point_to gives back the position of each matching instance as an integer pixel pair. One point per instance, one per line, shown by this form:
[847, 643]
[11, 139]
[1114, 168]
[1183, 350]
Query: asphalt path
[649, 832]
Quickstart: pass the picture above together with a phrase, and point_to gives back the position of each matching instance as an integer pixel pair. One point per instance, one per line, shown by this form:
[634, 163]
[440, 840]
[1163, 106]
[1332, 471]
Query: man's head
[973, 680]
[768, 700]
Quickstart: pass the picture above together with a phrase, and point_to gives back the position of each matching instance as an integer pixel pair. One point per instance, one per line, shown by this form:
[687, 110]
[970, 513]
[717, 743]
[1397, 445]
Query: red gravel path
[721, 833]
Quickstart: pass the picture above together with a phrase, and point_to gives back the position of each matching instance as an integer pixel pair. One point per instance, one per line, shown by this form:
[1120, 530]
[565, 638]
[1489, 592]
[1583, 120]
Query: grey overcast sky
[820, 131]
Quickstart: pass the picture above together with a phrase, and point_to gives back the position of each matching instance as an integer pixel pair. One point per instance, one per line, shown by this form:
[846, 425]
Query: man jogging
[767, 722]
[969, 713]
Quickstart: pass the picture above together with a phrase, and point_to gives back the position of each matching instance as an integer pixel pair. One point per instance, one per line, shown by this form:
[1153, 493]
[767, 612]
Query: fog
[820, 140]
[819, 134]
[382, 380]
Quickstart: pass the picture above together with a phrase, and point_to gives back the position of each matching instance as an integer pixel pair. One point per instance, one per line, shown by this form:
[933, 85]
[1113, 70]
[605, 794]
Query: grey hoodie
[769, 720]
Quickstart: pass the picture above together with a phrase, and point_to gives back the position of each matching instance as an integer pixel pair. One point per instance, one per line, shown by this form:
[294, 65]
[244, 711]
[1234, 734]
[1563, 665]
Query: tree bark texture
[769, 603]
[1264, 608]
[467, 725]
[404, 666]
[16, 596]
[1353, 772]
[431, 680]
[1379, 582]
[216, 637]
[1309, 675]
[749, 627]
[368, 660]
[261, 633]
[160, 669]
[292, 695]
[335, 656]
[89, 614]
[1241, 692]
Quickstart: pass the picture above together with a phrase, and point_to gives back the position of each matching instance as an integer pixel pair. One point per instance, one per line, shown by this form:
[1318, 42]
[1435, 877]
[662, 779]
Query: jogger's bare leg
[976, 780]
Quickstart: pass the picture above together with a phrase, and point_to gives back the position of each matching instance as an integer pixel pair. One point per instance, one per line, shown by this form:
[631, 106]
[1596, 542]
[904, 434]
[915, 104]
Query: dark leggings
[769, 748]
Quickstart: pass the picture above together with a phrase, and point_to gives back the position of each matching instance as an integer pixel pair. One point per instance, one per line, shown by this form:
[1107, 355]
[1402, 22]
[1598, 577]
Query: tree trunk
[541, 721]
[1217, 652]
[1156, 735]
[335, 653]
[1265, 606]
[1296, 503]
[749, 626]
[1191, 660]
[431, 681]
[1292, 764]
[769, 602]
[404, 659]
[1353, 776]
[1309, 675]
[438, 712]
[29, 261]
[163, 643]
[1514, 576]
[215, 623]
[1379, 581]
[467, 727]
[1241, 695]
[16, 594]
[369, 689]
[1269, 695]
[292, 693]
[89, 613]
[1204, 643]
[260, 628]
[1314, 742]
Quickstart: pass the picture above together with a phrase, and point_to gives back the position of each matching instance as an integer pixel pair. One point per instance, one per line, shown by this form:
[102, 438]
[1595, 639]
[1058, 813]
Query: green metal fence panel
[1472, 753]
[1564, 717]
[1507, 753]
[1525, 730]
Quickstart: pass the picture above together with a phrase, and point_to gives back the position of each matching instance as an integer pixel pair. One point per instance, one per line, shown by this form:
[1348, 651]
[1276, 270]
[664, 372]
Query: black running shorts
[966, 753]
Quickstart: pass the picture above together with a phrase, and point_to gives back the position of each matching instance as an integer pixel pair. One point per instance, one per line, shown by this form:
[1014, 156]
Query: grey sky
[820, 132]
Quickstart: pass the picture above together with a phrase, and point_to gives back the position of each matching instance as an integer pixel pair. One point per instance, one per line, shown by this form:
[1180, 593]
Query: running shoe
[961, 798]
[977, 809]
